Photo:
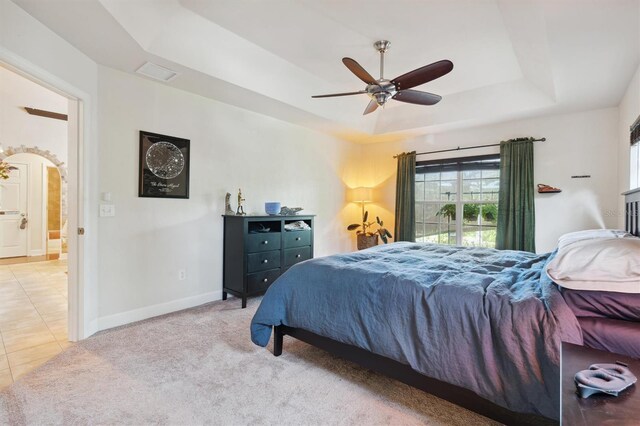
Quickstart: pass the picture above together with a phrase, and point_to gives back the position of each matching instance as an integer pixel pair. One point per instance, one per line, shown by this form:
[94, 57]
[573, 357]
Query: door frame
[81, 320]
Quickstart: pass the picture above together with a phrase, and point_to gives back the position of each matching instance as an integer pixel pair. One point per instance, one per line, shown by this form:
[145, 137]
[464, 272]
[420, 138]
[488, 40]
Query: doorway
[33, 210]
[34, 284]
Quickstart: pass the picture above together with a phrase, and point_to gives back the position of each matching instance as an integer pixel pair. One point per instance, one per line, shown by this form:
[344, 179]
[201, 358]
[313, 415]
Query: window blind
[481, 162]
[635, 132]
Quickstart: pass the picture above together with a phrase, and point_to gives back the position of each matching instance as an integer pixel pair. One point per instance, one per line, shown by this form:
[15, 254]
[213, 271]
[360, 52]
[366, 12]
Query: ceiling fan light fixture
[400, 88]
[381, 97]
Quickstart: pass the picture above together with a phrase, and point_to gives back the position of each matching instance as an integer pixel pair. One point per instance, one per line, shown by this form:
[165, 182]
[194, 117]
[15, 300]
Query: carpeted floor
[199, 367]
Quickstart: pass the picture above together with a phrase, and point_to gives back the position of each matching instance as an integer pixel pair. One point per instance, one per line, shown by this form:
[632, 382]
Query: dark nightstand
[597, 409]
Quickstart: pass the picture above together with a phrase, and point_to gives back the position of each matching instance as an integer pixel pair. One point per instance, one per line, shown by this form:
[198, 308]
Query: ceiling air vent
[156, 72]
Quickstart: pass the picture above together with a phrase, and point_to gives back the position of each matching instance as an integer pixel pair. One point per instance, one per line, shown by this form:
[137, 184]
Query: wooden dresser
[258, 249]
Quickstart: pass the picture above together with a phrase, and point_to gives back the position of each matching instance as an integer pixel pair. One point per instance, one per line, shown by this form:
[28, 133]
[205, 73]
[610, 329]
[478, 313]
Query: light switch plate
[107, 210]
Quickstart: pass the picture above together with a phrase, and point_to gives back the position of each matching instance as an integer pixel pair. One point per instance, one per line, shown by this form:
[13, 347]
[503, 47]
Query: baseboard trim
[92, 328]
[140, 314]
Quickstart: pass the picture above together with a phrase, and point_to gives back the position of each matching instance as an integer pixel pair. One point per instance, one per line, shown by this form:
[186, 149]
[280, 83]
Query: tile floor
[33, 316]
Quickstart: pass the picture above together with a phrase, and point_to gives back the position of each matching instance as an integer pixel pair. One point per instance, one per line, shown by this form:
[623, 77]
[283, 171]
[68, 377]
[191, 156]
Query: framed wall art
[164, 166]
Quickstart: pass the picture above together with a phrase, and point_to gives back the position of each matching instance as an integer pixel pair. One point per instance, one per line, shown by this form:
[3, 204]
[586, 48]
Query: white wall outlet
[182, 274]
[107, 210]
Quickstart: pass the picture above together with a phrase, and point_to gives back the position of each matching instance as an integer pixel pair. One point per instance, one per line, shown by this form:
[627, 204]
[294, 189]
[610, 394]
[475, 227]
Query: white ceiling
[513, 58]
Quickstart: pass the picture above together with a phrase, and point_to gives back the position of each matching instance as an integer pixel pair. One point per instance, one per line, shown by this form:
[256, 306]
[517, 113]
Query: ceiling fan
[381, 90]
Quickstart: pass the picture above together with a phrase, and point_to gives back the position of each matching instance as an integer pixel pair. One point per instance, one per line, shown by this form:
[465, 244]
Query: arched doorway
[43, 219]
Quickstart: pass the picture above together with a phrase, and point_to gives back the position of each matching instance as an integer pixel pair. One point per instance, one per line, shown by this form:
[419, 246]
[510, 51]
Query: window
[634, 169]
[457, 201]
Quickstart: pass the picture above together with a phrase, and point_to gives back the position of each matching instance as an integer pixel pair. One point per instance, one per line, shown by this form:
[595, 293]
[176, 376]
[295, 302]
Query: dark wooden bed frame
[402, 372]
[455, 394]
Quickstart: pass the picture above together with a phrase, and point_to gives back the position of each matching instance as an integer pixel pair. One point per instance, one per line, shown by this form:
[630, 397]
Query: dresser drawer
[263, 261]
[296, 255]
[263, 242]
[297, 239]
[260, 281]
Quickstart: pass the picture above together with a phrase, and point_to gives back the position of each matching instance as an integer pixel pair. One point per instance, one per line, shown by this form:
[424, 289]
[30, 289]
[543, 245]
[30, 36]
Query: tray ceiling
[512, 59]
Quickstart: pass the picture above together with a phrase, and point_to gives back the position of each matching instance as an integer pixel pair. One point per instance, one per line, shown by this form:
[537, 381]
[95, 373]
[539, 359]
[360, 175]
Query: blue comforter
[486, 320]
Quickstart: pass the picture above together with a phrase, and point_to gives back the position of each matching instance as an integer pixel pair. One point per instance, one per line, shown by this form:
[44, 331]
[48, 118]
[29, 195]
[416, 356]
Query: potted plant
[367, 236]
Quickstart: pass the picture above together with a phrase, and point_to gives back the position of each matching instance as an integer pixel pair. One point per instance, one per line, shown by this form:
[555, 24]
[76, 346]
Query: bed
[609, 312]
[496, 350]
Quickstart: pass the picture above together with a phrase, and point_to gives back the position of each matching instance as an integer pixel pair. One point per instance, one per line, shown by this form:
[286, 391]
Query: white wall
[629, 110]
[17, 127]
[36, 200]
[132, 259]
[29, 46]
[577, 144]
[149, 240]
[143, 246]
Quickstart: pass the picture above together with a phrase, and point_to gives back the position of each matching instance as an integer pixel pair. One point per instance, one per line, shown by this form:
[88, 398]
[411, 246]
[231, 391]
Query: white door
[13, 213]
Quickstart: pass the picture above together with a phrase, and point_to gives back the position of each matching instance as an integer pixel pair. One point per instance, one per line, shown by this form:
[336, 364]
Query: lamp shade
[362, 195]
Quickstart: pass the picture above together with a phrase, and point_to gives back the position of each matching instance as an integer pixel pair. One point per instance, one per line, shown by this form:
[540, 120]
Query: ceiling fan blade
[373, 105]
[417, 97]
[340, 94]
[423, 75]
[360, 72]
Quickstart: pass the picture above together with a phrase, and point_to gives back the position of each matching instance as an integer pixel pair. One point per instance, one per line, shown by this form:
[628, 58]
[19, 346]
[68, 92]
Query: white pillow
[590, 234]
[601, 264]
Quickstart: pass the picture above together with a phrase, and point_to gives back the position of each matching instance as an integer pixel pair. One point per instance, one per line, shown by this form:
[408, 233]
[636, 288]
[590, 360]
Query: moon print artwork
[165, 160]
[164, 166]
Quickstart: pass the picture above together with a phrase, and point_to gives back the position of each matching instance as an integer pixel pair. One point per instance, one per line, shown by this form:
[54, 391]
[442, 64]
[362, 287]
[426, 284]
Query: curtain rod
[468, 147]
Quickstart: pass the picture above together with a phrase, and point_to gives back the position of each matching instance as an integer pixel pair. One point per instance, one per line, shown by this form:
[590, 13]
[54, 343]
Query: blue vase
[272, 208]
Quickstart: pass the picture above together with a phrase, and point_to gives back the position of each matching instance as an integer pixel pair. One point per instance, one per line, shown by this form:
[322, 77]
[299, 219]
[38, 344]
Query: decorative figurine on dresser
[240, 211]
[227, 205]
[258, 249]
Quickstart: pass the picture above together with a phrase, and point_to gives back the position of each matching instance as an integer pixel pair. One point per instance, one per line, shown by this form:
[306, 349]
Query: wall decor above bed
[163, 167]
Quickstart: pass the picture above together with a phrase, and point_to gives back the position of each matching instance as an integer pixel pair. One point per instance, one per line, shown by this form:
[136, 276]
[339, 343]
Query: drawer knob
[297, 238]
[297, 256]
[265, 261]
[265, 242]
[265, 280]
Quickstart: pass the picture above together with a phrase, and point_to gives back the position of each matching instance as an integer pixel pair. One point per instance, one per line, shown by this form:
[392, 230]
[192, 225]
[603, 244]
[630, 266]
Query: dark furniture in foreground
[253, 259]
[396, 370]
[597, 409]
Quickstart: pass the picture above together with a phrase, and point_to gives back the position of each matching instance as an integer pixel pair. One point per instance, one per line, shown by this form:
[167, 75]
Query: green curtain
[516, 210]
[405, 229]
